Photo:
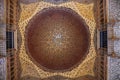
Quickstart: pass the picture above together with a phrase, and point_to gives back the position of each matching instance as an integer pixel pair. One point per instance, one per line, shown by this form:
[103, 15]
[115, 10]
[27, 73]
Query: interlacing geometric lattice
[29, 68]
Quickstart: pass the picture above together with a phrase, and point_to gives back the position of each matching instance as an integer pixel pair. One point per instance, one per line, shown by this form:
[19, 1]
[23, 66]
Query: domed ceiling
[57, 39]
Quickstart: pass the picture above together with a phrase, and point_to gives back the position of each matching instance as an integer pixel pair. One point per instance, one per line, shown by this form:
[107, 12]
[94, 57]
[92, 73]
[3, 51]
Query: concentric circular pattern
[57, 39]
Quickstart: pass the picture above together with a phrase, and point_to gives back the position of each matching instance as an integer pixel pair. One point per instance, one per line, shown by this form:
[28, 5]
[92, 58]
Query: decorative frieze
[50, 1]
[56, 1]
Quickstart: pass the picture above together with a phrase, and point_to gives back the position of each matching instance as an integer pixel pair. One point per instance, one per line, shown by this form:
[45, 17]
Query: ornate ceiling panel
[29, 68]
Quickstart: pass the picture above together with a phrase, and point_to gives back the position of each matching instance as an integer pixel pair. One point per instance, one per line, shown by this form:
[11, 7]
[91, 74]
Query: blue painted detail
[10, 40]
[103, 39]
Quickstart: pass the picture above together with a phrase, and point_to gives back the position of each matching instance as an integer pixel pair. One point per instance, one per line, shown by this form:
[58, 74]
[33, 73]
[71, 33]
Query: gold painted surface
[85, 68]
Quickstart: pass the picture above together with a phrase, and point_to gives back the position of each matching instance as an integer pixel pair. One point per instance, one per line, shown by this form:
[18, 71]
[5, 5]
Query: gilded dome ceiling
[57, 38]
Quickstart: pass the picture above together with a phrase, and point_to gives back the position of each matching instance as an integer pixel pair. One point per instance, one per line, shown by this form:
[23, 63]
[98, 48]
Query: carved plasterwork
[85, 68]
